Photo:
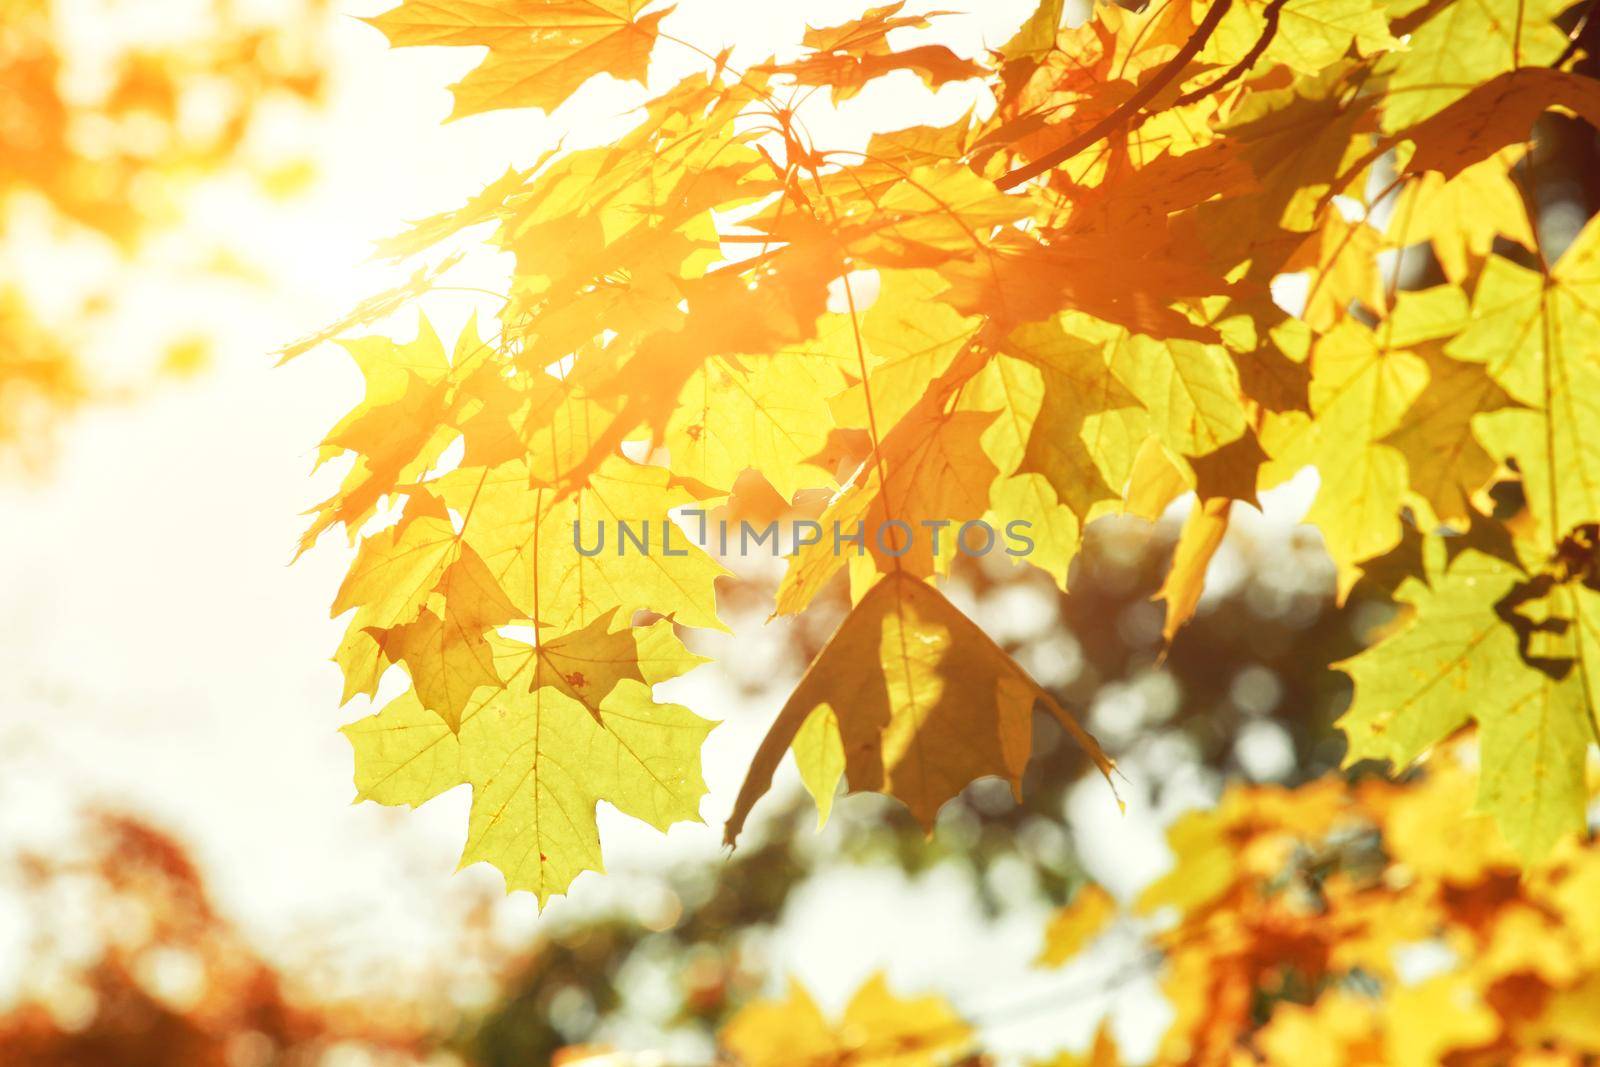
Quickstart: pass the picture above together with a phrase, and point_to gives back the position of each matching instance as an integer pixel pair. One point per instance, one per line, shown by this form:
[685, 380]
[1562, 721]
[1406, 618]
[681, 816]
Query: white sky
[157, 650]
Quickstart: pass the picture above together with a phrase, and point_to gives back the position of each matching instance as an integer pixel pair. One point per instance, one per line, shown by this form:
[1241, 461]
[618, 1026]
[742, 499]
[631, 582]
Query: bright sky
[157, 650]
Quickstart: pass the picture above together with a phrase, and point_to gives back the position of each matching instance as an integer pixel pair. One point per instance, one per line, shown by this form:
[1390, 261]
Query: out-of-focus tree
[129, 964]
[1329, 925]
[1318, 924]
[109, 117]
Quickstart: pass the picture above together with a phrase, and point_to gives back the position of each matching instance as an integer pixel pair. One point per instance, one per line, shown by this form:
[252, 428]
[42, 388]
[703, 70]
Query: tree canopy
[1194, 248]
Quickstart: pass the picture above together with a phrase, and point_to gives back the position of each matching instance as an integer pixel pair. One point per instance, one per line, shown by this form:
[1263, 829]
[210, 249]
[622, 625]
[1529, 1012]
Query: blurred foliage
[1318, 924]
[110, 114]
[1363, 926]
[1324, 924]
[128, 964]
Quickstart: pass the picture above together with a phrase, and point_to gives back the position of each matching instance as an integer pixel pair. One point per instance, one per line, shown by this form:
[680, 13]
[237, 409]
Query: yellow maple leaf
[1426, 1021]
[530, 539]
[1445, 463]
[878, 1029]
[395, 432]
[931, 470]
[397, 569]
[1539, 337]
[540, 52]
[573, 724]
[1073, 927]
[1202, 534]
[1311, 34]
[1462, 44]
[910, 338]
[1462, 215]
[1458, 659]
[1017, 390]
[1090, 426]
[1362, 385]
[1190, 389]
[769, 415]
[448, 654]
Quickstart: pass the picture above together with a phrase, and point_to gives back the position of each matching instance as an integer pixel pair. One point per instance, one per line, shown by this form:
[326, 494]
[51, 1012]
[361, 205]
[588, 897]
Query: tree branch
[1129, 108]
[1268, 32]
[1575, 38]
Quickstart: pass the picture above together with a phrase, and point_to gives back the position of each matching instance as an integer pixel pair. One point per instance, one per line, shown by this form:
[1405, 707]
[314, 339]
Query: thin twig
[1268, 31]
[1576, 36]
[1129, 108]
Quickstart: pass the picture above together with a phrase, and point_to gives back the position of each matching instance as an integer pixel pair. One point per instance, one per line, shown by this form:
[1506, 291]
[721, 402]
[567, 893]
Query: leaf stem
[866, 392]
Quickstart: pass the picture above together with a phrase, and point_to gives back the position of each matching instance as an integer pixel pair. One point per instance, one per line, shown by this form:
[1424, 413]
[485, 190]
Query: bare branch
[1268, 32]
[1128, 112]
[1574, 40]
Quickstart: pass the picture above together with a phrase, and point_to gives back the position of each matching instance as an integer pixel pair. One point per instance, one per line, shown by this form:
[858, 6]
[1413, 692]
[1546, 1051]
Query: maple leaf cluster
[1059, 306]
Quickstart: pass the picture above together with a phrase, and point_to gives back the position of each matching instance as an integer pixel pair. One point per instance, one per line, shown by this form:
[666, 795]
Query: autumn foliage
[129, 963]
[103, 132]
[1318, 925]
[1167, 251]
